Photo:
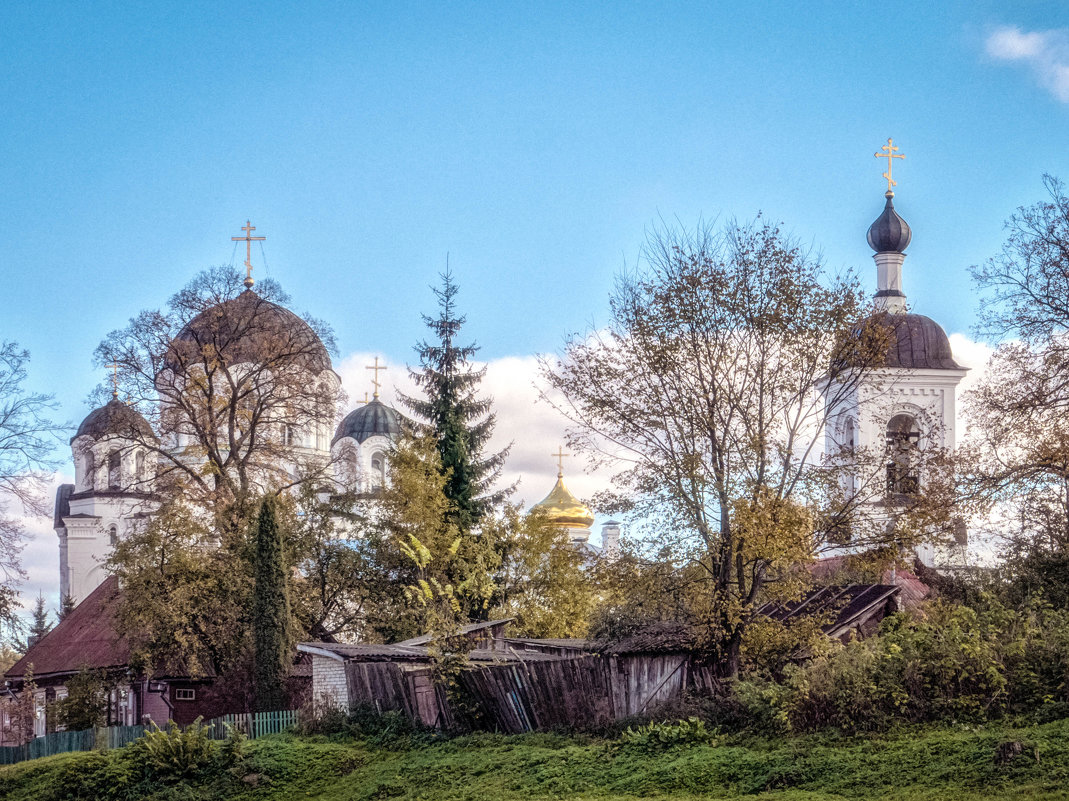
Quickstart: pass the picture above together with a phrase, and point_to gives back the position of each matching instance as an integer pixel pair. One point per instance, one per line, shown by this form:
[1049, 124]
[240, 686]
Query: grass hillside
[959, 764]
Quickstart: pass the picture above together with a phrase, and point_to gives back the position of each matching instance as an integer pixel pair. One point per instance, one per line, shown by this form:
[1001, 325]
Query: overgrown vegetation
[966, 762]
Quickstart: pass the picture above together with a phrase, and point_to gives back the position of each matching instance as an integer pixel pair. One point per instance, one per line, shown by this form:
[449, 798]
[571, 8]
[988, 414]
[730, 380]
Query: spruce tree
[270, 611]
[460, 421]
[40, 626]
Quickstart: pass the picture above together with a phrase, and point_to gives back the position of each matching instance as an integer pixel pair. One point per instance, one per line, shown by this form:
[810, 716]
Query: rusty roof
[86, 637]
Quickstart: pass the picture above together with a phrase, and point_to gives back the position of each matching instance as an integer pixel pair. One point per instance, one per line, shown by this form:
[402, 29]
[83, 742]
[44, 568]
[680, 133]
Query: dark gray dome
[250, 329]
[890, 233]
[374, 418]
[115, 419]
[918, 342]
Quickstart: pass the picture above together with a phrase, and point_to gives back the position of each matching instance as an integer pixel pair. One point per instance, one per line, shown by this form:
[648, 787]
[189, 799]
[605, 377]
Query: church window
[378, 470]
[903, 442]
[139, 465]
[114, 470]
[113, 536]
[88, 470]
[290, 435]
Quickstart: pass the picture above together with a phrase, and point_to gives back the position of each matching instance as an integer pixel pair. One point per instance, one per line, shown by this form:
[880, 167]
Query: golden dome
[563, 508]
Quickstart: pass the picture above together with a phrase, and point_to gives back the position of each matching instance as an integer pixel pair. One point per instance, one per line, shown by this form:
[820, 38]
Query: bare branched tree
[238, 390]
[712, 387]
[27, 439]
[1018, 445]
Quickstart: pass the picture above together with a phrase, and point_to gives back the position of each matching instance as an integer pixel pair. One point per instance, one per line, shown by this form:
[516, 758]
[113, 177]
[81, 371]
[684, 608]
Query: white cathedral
[113, 474]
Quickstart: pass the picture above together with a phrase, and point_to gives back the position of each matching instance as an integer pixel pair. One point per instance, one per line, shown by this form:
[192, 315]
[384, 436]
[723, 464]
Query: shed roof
[470, 628]
[845, 607]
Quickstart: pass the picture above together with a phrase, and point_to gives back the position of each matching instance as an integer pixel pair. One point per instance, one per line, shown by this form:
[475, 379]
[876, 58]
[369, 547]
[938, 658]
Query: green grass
[914, 765]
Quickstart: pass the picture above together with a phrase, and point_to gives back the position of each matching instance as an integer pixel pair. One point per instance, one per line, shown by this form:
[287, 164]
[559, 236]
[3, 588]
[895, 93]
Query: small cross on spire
[561, 456]
[889, 154]
[248, 239]
[375, 381]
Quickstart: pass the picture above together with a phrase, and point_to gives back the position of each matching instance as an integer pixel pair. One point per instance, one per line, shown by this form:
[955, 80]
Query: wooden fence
[61, 742]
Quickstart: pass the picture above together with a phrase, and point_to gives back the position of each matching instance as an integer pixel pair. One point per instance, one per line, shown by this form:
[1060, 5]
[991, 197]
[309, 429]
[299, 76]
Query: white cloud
[1045, 52]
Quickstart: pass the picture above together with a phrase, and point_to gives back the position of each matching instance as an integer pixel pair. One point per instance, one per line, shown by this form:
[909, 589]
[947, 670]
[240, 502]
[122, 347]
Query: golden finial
[561, 456]
[248, 239]
[889, 154]
[375, 381]
[114, 380]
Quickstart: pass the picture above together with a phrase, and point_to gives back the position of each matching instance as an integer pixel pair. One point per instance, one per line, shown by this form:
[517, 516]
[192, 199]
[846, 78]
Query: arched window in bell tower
[114, 470]
[378, 470]
[903, 444]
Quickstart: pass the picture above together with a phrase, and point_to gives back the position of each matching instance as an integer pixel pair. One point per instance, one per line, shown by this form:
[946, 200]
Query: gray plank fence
[61, 742]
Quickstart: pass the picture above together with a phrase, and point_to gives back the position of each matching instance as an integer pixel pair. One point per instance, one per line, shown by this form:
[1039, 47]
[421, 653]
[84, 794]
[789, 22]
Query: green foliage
[270, 612]
[86, 704]
[964, 764]
[665, 735]
[175, 754]
[459, 420]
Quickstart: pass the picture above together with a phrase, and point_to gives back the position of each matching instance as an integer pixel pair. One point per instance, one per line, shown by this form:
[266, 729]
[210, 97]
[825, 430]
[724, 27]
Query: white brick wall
[328, 682]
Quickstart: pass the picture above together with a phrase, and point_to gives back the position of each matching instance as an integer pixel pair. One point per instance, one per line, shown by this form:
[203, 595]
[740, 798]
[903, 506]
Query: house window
[903, 443]
[185, 694]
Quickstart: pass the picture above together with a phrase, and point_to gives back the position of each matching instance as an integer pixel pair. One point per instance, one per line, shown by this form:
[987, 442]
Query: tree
[544, 582]
[27, 436]
[270, 612]
[86, 704]
[1016, 457]
[40, 625]
[227, 378]
[460, 421]
[705, 390]
[415, 550]
[186, 592]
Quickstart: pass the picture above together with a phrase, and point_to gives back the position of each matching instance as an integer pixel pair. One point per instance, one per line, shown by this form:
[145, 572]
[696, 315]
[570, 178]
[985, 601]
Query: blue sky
[533, 143]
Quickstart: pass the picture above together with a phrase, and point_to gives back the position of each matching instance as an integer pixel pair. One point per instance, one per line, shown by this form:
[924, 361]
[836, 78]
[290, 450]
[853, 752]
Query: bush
[175, 754]
[665, 735]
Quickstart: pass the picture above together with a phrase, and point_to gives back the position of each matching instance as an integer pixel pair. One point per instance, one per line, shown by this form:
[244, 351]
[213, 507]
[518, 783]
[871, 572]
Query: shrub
[665, 735]
[176, 754]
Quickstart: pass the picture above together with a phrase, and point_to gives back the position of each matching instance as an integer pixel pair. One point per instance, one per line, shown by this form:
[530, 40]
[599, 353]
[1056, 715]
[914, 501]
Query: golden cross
[561, 455]
[889, 153]
[365, 398]
[114, 379]
[248, 239]
[375, 381]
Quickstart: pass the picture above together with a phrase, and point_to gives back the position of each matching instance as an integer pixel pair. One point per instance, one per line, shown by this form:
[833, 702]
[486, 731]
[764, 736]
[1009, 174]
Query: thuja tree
[270, 611]
[704, 391]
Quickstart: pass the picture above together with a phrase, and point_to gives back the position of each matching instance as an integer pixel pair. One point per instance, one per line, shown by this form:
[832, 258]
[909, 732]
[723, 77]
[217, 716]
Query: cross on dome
[114, 380]
[248, 239]
[561, 456]
[889, 154]
[375, 381]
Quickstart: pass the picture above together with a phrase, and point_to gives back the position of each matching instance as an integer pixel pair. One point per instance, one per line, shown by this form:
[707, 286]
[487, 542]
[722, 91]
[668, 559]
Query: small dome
[563, 508]
[916, 342]
[115, 419]
[890, 233]
[249, 329]
[371, 419]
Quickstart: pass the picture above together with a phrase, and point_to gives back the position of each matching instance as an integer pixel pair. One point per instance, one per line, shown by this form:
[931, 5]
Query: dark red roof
[87, 637]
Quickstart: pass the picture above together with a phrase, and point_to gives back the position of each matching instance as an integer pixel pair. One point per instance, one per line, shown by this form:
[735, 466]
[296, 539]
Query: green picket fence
[252, 724]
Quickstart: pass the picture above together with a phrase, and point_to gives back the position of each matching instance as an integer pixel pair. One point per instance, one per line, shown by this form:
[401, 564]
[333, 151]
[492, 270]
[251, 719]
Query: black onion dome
[115, 419]
[249, 329]
[914, 342]
[890, 233]
[374, 418]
